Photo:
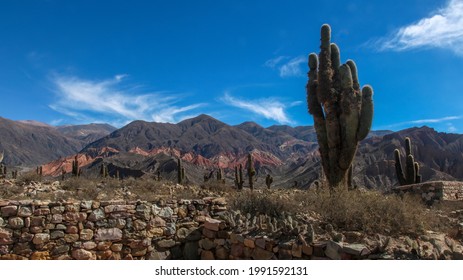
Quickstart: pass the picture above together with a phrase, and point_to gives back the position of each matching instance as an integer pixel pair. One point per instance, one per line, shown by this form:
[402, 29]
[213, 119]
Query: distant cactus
[219, 174]
[63, 172]
[104, 170]
[268, 181]
[75, 167]
[251, 172]
[412, 168]
[342, 112]
[179, 171]
[14, 174]
[239, 177]
[159, 175]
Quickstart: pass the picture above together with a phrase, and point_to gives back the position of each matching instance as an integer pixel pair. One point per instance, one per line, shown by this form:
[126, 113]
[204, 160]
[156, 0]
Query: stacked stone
[99, 230]
[435, 190]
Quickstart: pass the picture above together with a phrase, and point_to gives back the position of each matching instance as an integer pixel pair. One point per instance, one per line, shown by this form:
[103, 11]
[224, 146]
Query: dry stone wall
[183, 229]
[436, 190]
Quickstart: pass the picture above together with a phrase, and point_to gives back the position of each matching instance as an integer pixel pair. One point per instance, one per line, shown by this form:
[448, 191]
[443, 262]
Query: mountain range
[289, 154]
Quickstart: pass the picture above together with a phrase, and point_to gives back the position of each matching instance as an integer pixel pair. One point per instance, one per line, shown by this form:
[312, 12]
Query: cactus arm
[398, 168]
[366, 113]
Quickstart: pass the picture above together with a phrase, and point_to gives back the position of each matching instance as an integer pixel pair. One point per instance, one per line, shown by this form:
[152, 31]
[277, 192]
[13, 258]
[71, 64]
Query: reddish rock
[104, 245]
[90, 245]
[307, 250]
[117, 247]
[71, 238]
[8, 211]
[81, 254]
[221, 253]
[212, 224]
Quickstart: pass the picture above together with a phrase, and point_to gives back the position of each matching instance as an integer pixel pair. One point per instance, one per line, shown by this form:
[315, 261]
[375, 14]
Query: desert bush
[369, 211]
[27, 178]
[262, 203]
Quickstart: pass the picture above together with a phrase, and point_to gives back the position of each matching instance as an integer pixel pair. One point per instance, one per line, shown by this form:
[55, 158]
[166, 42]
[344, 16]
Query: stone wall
[183, 229]
[436, 190]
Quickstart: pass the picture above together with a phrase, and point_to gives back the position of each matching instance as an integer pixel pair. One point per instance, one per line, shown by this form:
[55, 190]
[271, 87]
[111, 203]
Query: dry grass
[269, 203]
[369, 211]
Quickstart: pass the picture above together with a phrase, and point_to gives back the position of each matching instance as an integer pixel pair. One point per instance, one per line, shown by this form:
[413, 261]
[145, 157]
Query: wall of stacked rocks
[176, 229]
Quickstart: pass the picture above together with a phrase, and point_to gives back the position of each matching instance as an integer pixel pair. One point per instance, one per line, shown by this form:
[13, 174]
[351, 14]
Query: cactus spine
[412, 168]
[239, 177]
[251, 172]
[268, 181]
[342, 113]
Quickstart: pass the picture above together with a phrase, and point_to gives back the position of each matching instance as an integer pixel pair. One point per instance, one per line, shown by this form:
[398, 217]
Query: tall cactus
[342, 112]
[251, 172]
[239, 177]
[412, 168]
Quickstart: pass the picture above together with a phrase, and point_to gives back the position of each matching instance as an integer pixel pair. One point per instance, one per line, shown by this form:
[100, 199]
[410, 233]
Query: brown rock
[212, 224]
[24, 211]
[72, 229]
[40, 256]
[307, 250]
[113, 234]
[8, 211]
[5, 232]
[285, 254]
[104, 255]
[297, 250]
[116, 247]
[209, 233]
[236, 250]
[206, 244]
[138, 252]
[71, 238]
[207, 255]
[221, 253]
[166, 243]
[90, 245]
[260, 242]
[86, 234]
[248, 242]
[104, 245]
[81, 254]
[41, 238]
[261, 254]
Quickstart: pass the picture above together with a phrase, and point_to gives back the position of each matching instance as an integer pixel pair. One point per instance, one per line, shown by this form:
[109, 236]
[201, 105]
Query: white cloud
[85, 100]
[268, 108]
[273, 62]
[442, 29]
[293, 67]
[287, 67]
[451, 128]
[426, 121]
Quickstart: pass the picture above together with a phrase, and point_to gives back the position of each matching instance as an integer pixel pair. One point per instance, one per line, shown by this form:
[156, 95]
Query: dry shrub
[369, 211]
[27, 178]
[262, 203]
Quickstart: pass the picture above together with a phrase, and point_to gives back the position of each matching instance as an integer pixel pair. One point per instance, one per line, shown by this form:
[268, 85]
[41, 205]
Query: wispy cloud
[269, 108]
[286, 66]
[110, 100]
[425, 121]
[442, 29]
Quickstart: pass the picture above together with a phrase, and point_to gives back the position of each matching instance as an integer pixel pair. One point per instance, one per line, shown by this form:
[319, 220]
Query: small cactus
[75, 167]
[179, 171]
[63, 172]
[251, 172]
[104, 170]
[239, 177]
[412, 168]
[268, 181]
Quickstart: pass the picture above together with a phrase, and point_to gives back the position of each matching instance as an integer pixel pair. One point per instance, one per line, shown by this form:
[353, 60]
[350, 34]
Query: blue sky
[67, 62]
